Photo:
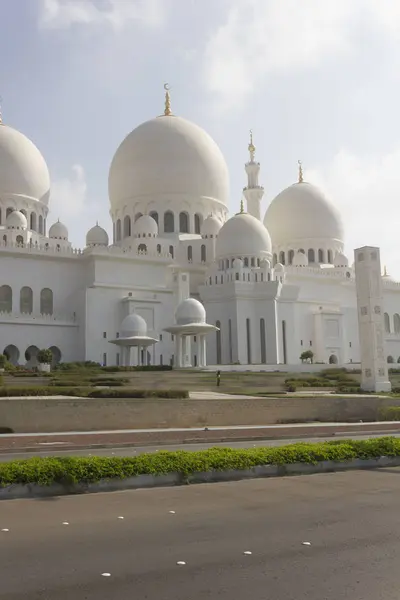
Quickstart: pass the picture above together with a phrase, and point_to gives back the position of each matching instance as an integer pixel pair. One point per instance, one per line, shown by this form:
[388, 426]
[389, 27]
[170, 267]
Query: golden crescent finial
[300, 171]
[167, 108]
[251, 146]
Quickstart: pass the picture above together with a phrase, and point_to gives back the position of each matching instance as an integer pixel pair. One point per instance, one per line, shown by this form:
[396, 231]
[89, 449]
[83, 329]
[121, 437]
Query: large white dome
[243, 235]
[167, 157]
[23, 170]
[301, 212]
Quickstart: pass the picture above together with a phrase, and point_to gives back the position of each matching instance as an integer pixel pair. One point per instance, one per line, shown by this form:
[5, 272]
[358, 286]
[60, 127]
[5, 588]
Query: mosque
[181, 282]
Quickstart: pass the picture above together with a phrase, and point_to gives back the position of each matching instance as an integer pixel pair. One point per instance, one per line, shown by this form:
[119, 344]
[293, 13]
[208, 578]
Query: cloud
[366, 190]
[262, 37]
[62, 14]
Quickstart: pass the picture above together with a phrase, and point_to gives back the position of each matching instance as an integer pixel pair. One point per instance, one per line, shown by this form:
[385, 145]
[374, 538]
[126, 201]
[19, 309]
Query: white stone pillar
[203, 351]
[184, 351]
[178, 350]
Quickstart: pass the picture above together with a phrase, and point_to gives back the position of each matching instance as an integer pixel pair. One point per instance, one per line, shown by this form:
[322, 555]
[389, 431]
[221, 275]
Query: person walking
[218, 378]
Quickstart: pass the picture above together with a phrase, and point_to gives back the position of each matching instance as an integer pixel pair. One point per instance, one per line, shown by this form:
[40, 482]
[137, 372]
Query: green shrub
[69, 470]
[45, 356]
[89, 392]
[389, 413]
[290, 387]
[133, 393]
[78, 366]
[3, 360]
[23, 374]
[115, 369]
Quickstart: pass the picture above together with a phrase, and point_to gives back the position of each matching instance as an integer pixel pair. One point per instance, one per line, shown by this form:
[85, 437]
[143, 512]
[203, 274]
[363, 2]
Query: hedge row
[89, 392]
[68, 470]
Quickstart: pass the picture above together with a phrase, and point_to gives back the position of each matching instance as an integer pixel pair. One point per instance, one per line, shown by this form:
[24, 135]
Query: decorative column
[178, 350]
[203, 350]
[374, 369]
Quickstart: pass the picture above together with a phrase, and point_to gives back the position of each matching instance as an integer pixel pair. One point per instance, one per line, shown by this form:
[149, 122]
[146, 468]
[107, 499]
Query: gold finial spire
[241, 206]
[300, 171]
[385, 273]
[251, 146]
[167, 109]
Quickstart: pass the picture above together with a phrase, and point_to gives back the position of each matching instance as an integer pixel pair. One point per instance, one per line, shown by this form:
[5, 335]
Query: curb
[32, 490]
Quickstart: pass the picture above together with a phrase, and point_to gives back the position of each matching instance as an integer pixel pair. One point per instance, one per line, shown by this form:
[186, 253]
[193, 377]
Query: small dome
[16, 220]
[300, 212]
[58, 231]
[300, 260]
[210, 227]
[190, 311]
[145, 226]
[133, 326]
[243, 235]
[265, 263]
[97, 236]
[341, 260]
[279, 267]
[238, 263]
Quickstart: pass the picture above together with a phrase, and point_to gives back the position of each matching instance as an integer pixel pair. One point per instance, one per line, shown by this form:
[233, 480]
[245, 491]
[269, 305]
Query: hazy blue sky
[315, 79]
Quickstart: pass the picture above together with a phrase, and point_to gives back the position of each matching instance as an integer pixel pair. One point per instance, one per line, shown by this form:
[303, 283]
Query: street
[236, 540]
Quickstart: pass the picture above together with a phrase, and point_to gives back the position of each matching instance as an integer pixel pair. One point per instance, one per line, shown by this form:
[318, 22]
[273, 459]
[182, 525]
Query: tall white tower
[375, 377]
[253, 192]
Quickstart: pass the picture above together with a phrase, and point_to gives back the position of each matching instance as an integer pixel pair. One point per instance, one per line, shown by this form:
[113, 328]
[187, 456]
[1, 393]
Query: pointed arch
[183, 222]
[46, 301]
[127, 226]
[169, 222]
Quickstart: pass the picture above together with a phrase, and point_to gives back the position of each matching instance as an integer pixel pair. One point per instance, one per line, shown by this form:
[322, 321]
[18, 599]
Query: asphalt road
[350, 520]
[57, 451]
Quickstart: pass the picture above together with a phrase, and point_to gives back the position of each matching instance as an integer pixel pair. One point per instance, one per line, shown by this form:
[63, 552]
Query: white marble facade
[271, 288]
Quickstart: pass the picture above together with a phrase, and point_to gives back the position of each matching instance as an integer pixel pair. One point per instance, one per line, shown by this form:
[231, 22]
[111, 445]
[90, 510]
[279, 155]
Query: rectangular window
[349, 344]
[301, 342]
[172, 337]
[160, 337]
[310, 343]
[105, 335]
[195, 338]
[117, 360]
[117, 336]
[105, 359]
[161, 360]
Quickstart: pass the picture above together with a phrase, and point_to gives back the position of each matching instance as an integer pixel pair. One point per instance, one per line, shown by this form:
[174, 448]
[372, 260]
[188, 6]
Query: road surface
[320, 537]
[58, 451]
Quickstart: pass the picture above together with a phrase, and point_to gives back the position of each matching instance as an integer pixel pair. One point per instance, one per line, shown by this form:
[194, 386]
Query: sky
[315, 80]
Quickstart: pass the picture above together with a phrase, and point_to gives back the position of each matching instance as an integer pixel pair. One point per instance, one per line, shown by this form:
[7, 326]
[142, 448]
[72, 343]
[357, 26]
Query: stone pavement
[14, 443]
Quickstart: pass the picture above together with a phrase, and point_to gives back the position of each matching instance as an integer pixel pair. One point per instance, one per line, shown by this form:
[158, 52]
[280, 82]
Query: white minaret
[253, 192]
[375, 377]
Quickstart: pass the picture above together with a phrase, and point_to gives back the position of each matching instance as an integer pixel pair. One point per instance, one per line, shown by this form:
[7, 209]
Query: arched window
[396, 323]
[56, 355]
[246, 262]
[137, 216]
[12, 354]
[203, 253]
[311, 256]
[33, 221]
[142, 248]
[26, 300]
[154, 215]
[282, 257]
[119, 230]
[5, 298]
[386, 319]
[46, 301]
[330, 256]
[390, 359]
[302, 250]
[9, 211]
[183, 222]
[262, 342]
[248, 338]
[237, 276]
[219, 342]
[171, 251]
[320, 256]
[5, 239]
[127, 226]
[333, 360]
[197, 223]
[190, 253]
[40, 224]
[169, 222]
[19, 240]
[158, 248]
[275, 259]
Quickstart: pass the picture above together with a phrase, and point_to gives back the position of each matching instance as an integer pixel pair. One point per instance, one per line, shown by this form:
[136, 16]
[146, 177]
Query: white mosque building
[180, 283]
